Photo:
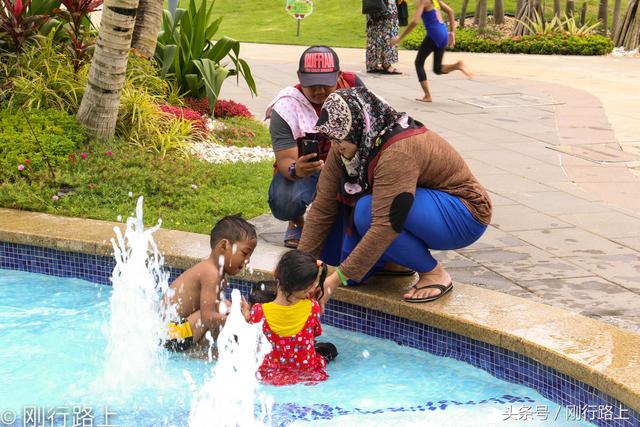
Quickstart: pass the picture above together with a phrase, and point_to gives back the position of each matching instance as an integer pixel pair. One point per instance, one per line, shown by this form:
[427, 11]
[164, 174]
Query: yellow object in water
[179, 330]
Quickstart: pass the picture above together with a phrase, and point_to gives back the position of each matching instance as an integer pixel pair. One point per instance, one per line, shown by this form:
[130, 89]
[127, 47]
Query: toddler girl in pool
[292, 322]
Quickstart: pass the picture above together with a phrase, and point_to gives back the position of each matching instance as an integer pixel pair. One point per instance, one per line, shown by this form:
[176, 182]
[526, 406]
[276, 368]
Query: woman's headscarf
[358, 116]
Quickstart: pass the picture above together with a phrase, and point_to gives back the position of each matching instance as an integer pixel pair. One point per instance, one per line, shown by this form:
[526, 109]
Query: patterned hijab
[358, 116]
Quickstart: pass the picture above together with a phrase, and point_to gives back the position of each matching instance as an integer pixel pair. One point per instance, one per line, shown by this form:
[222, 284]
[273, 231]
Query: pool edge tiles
[500, 362]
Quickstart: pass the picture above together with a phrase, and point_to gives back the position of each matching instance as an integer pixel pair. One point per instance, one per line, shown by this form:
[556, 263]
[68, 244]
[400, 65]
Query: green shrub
[59, 135]
[467, 40]
[413, 40]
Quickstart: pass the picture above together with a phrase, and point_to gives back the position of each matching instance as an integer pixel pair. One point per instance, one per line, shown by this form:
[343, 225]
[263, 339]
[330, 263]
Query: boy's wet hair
[297, 270]
[263, 292]
[233, 228]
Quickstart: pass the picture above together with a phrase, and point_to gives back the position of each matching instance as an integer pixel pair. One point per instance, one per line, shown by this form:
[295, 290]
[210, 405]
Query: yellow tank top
[287, 320]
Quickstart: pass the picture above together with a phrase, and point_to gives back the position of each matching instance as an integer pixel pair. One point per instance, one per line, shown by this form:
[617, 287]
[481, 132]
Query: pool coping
[596, 353]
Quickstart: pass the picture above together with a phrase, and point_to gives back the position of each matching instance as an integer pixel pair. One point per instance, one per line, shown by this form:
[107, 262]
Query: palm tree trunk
[476, 13]
[519, 6]
[463, 13]
[627, 33]
[498, 11]
[603, 14]
[526, 14]
[148, 23]
[99, 107]
[482, 15]
[570, 8]
[583, 13]
[557, 7]
[616, 15]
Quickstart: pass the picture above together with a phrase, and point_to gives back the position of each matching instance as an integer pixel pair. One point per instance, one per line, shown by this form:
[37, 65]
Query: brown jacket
[425, 160]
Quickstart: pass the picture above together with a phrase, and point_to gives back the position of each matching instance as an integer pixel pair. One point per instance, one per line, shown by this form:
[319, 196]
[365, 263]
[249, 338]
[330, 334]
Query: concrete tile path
[556, 140]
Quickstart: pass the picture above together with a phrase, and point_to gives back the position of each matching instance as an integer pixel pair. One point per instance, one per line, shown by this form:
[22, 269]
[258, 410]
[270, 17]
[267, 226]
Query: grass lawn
[101, 185]
[338, 23]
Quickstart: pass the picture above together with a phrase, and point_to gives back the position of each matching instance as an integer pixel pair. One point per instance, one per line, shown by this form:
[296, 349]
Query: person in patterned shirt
[292, 322]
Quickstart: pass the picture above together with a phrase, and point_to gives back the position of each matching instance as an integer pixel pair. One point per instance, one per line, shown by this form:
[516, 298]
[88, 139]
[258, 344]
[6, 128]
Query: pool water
[52, 346]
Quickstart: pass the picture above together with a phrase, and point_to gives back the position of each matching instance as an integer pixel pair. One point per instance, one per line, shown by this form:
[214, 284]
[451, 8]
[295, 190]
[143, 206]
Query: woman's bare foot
[466, 70]
[437, 276]
[424, 99]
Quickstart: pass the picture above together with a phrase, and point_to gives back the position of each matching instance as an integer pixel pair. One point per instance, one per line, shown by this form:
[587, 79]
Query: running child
[436, 40]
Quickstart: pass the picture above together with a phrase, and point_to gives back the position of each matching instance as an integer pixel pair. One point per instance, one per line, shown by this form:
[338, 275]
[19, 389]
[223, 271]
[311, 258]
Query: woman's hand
[394, 41]
[452, 40]
[331, 283]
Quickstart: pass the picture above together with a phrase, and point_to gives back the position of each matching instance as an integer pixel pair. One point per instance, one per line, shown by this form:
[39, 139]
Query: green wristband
[343, 279]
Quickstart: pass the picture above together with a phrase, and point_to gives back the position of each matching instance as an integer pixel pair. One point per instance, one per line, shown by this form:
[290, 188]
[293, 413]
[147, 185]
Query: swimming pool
[52, 349]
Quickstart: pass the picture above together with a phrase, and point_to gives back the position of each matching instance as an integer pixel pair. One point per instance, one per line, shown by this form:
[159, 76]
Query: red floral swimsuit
[293, 359]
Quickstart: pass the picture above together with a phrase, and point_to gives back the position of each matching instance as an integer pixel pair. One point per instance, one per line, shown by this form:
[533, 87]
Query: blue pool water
[52, 348]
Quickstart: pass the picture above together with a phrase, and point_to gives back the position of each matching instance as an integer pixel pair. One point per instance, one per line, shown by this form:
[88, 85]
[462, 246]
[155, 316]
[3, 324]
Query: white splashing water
[229, 397]
[134, 358]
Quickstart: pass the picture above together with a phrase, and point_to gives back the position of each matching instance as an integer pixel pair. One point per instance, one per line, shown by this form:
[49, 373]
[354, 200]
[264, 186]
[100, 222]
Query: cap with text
[319, 66]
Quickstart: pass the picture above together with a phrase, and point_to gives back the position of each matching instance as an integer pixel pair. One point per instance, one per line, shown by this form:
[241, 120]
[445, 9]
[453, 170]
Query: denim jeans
[289, 199]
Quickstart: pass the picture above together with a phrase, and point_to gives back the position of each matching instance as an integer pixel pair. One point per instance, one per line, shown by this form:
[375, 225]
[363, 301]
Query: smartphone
[310, 146]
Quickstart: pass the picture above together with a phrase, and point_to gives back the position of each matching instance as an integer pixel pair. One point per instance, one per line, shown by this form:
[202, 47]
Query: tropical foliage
[21, 20]
[186, 51]
[559, 25]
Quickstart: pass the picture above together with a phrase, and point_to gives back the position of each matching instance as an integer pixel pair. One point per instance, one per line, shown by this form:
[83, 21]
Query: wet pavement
[556, 143]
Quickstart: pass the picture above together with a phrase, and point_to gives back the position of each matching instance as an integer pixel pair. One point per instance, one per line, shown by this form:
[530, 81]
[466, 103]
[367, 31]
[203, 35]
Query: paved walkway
[556, 140]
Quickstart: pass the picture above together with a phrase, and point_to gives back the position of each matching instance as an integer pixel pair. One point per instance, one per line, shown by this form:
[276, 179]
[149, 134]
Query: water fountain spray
[138, 321]
[230, 397]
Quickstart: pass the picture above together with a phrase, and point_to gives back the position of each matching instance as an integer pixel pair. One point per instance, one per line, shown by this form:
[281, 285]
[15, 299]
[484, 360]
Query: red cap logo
[319, 62]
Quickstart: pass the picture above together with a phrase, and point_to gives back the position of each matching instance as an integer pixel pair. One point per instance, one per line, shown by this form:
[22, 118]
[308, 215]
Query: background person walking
[436, 40]
[381, 28]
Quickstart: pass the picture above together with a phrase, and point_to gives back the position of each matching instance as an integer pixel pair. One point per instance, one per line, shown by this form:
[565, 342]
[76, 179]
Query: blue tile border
[54, 262]
[501, 363]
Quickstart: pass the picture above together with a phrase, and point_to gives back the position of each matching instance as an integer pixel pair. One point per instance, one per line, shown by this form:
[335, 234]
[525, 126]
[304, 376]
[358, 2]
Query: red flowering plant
[20, 20]
[76, 15]
[229, 108]
[201, 105]
[198, 121]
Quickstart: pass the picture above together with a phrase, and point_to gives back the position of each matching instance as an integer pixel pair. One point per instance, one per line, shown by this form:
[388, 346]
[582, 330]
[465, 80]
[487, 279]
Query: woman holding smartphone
[391, 190]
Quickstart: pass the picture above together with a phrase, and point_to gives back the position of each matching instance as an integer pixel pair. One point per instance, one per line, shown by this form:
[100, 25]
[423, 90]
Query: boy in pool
[197, 293]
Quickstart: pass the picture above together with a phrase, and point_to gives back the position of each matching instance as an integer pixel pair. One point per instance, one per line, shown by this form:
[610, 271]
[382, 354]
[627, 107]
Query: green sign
[299, 9]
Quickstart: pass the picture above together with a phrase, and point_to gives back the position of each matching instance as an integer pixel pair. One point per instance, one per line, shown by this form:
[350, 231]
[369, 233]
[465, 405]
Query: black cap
[319, 66]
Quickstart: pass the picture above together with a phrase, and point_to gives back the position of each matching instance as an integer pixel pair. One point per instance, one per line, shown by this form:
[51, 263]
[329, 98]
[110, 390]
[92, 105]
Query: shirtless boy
[196, 293]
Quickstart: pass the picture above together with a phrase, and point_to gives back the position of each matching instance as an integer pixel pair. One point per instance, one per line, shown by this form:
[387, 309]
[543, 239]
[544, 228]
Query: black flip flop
[394, 71]
[443, 290]
[393, 273]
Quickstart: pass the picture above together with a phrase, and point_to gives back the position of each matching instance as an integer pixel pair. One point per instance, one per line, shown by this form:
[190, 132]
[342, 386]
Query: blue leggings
[437, 220]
